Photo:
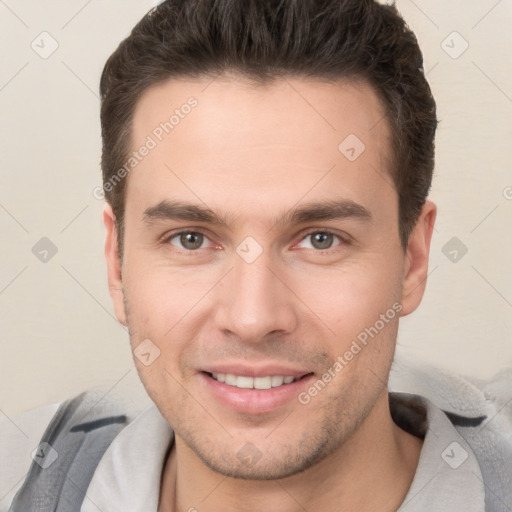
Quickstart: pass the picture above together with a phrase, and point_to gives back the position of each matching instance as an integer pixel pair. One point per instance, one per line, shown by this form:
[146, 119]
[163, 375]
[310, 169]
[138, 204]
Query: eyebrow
[308, 212]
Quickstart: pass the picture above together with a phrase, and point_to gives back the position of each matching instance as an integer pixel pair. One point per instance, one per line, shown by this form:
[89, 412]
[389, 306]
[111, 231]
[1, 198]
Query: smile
[244, 382]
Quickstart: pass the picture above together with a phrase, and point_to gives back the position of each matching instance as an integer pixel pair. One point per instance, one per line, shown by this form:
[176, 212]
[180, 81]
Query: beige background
[58, 332]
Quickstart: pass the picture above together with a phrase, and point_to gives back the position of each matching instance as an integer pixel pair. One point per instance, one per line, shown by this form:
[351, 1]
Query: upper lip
[261, 370]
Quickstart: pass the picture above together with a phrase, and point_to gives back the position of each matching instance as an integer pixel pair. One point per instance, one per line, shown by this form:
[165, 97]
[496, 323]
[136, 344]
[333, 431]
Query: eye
[322, 239]
[188, 240]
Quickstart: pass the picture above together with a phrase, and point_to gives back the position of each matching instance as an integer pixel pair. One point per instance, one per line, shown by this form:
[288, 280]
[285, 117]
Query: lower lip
[255, 401]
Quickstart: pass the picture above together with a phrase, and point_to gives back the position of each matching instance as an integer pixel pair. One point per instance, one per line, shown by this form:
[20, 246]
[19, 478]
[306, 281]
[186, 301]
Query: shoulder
[19, 437]
[459, 395]
[481, 412]
[90, 419]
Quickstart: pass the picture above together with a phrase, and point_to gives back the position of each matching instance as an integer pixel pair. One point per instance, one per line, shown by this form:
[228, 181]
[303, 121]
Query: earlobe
[115, 281]
[416, 259]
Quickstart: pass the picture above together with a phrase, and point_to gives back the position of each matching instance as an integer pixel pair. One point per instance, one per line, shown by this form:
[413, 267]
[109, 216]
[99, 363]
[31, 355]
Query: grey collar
[448, 476]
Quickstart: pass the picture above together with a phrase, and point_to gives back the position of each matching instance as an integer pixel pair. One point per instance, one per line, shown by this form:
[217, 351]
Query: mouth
[246, 382]
[254, 394]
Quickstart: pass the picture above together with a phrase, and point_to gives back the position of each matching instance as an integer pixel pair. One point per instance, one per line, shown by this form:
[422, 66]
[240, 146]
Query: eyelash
[343, 240]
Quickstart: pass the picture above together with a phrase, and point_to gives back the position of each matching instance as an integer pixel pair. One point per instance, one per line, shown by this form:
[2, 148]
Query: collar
[128, 475]
[448, 477]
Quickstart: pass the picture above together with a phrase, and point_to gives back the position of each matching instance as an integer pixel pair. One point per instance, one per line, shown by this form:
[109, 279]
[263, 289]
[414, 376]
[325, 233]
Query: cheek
[351, 298]
[167, 307]
[161, 299]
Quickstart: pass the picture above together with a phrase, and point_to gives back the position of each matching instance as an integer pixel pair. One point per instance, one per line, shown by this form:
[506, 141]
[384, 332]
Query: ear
[115, 281]
[416, 259]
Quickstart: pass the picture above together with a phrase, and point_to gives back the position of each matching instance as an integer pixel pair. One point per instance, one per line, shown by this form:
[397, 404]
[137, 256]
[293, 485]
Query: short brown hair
[265, 39]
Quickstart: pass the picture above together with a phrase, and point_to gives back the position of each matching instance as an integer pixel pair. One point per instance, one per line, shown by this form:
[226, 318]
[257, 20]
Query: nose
[255, 301]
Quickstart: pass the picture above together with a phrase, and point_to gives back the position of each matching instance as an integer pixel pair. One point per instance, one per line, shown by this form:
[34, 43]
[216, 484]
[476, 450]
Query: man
[266, 170]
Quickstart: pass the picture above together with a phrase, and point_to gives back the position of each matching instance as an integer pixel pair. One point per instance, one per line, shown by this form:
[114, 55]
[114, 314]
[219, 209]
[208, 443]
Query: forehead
[224, 140]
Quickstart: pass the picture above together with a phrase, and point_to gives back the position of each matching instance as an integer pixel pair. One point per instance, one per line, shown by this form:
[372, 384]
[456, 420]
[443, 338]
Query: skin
[251, 153]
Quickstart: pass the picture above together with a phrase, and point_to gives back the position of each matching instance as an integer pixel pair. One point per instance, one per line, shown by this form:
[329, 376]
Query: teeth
[262, 382]
[241, 381]
[244, 382]
[277, 381]
[230, 379]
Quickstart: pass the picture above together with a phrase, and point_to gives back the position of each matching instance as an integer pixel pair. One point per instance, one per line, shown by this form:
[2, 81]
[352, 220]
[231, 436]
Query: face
[261, 242]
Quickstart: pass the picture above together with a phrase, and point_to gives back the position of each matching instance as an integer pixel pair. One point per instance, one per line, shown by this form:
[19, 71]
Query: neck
[372, 470]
